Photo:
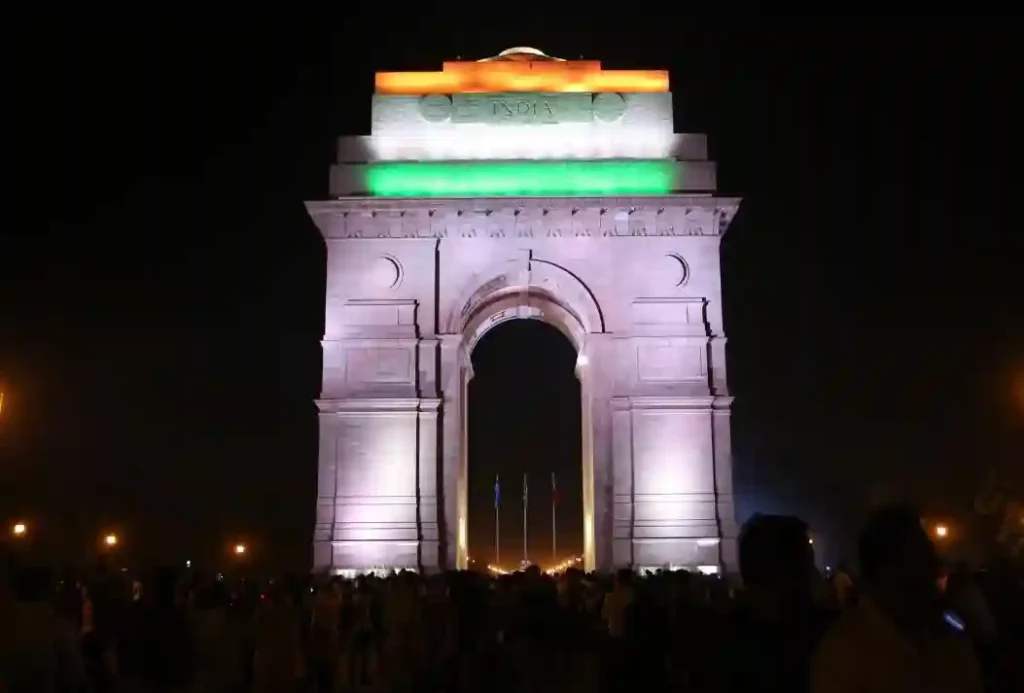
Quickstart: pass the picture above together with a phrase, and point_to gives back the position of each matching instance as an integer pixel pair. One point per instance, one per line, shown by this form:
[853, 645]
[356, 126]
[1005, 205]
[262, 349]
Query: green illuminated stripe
[471, 178]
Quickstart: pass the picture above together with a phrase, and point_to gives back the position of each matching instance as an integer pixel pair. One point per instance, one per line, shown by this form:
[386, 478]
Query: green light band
[496, 178]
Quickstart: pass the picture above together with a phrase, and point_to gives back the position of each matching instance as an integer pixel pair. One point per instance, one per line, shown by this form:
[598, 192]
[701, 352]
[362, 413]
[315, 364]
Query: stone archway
[413, 284]
[530, 302]
[475, 200]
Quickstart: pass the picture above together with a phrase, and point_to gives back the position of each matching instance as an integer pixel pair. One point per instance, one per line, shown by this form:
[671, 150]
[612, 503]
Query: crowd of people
[903, 623]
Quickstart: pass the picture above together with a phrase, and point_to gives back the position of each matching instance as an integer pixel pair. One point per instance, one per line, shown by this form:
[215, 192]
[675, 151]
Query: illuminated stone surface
[412, 285]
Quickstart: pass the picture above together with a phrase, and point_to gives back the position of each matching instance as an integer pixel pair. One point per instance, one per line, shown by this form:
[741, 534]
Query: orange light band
[569, 76]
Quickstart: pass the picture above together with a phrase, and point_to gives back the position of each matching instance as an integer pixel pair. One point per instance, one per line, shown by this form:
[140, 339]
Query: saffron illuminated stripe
[493, 178]
[515, 77]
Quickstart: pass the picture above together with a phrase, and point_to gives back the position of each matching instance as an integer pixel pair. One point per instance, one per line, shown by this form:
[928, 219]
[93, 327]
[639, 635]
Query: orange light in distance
[941, 531]
[239, 549]
[110, 540]
[568, 76]
[19, 529]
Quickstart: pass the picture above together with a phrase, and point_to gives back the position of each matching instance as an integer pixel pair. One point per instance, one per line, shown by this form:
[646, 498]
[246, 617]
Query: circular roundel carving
[384, 273]
[435, 108]
[678, 270]
[609, 106]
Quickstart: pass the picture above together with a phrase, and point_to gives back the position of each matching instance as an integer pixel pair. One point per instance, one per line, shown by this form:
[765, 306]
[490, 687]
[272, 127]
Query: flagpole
[526, 503]
[497, 522]
[554, 522]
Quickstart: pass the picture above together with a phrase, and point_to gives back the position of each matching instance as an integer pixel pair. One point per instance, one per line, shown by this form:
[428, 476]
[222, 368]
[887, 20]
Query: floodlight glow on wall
[544, 76]
[471, 178]
[568, 141]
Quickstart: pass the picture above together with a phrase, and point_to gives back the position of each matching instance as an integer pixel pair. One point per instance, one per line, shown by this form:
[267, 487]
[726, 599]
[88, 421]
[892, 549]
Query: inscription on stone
[668, 363]
[492, 285]
[525, 108]
[380, 365]
[649, 221]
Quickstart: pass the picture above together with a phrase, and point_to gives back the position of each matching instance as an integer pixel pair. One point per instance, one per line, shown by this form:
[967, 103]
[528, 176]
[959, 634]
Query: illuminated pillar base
[377, 504]
[672, 507]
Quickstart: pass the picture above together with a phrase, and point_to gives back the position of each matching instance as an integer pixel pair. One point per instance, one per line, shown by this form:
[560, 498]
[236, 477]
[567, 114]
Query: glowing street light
[19, 529]
[941, 531]
[240, 549]
[110, 540]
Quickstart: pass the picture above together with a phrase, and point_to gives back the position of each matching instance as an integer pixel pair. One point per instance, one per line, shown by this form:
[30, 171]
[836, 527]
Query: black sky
[162, 288]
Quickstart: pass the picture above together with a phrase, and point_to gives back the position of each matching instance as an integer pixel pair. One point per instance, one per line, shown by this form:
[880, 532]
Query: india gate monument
[523, 187]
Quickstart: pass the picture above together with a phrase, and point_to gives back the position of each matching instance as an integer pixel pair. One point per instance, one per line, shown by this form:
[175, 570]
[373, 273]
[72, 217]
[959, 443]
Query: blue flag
[497, 493]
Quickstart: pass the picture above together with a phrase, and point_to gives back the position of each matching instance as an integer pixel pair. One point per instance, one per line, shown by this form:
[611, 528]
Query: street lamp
[239, 549]
[941, 531]
[110, 540]
[19, 529]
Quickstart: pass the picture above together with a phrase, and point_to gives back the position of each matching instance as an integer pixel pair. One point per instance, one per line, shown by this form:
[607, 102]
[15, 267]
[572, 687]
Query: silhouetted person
[162, 654]
[772, 634]
[842, 586]
[618, 612]
[895, 639]
[218, 662]
[39, 651]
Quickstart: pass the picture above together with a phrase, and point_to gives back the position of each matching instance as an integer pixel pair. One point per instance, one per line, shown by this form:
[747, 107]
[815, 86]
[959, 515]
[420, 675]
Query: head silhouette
[896, 556]
[776, 556]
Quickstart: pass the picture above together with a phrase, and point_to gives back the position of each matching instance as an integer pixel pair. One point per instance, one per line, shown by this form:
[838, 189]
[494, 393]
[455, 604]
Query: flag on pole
[556, 497]
[526, 493]
[497, 493]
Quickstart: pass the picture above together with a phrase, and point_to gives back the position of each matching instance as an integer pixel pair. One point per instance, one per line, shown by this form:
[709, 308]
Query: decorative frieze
[523, 217]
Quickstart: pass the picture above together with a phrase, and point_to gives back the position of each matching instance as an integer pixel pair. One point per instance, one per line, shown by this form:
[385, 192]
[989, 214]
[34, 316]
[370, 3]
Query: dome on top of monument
[522, 54]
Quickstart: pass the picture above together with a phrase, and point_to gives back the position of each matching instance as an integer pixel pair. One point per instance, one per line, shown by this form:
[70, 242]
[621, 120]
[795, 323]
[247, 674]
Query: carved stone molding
[362, 406]
[522, 217]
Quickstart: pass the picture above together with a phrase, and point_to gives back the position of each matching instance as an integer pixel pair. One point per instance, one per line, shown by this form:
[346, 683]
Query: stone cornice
[523, 217]
[360, 406]
[670, 403]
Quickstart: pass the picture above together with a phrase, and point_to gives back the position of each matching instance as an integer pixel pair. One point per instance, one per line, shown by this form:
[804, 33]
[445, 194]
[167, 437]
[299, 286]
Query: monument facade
[523, 187]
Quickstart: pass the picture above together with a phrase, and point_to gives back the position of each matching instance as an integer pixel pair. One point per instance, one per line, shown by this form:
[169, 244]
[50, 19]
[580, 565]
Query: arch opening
[526, 310]
[524, 421]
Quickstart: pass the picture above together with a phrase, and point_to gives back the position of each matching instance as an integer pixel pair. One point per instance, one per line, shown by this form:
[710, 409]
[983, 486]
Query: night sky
[161, 291]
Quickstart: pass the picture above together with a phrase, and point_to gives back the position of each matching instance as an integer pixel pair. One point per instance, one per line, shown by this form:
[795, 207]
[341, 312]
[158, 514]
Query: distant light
[19, 529]
[941, 531]
[110, 540]
[810, 541]
[188, 564]
[239, 549]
